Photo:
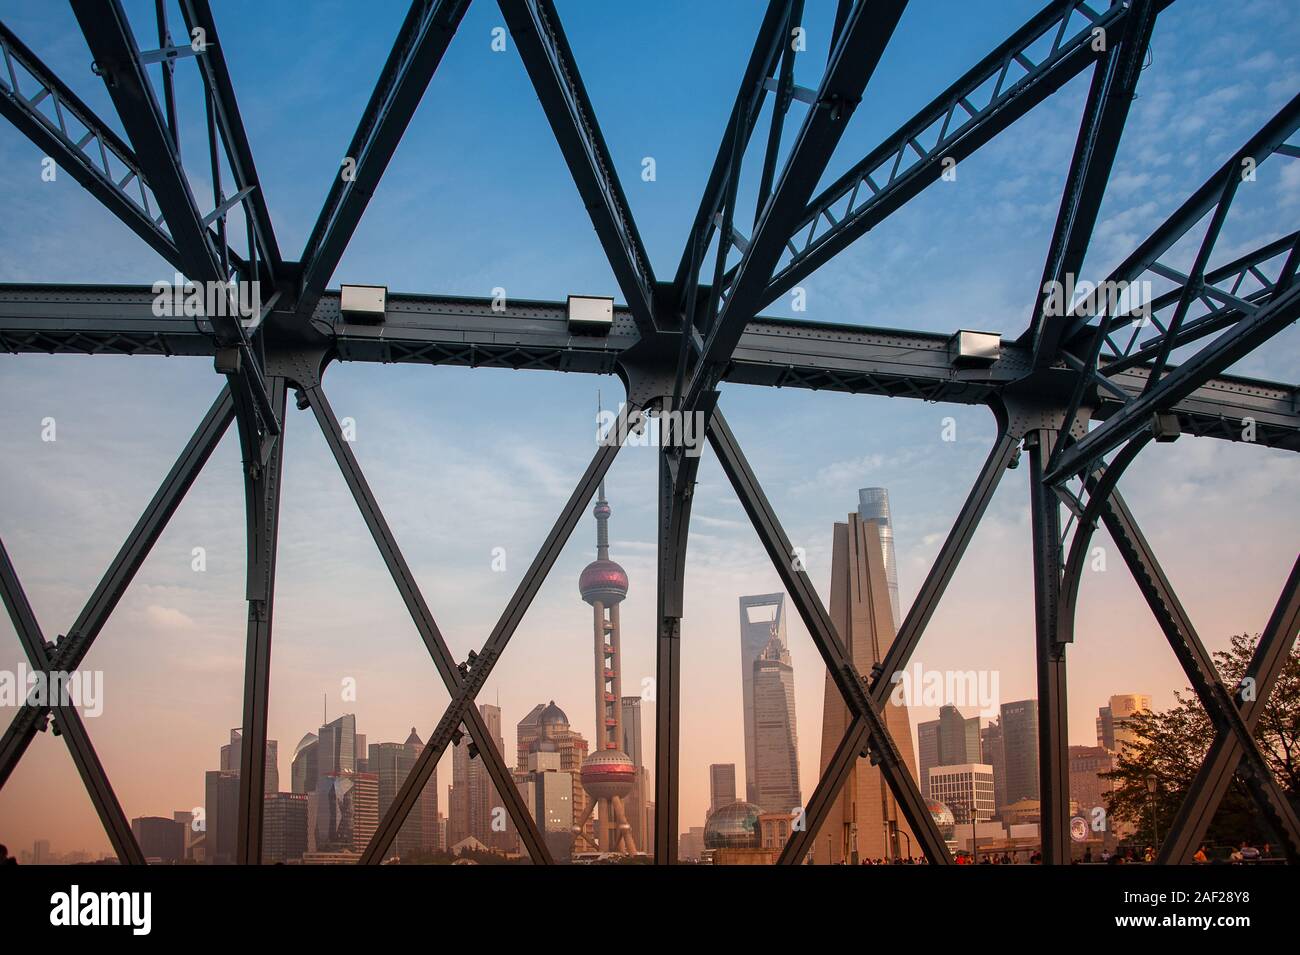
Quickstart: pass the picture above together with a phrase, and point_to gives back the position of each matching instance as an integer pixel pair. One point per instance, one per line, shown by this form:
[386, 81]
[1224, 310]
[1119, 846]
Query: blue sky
[478, 196]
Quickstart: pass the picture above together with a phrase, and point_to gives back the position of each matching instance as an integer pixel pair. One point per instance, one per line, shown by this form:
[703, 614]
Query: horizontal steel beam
[440, 330]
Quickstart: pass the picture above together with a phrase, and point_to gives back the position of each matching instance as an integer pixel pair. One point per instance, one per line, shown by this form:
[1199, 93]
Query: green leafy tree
[1172, 744]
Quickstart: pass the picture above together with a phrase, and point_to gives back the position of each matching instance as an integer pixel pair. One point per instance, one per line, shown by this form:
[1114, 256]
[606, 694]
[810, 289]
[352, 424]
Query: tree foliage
[1172, 744]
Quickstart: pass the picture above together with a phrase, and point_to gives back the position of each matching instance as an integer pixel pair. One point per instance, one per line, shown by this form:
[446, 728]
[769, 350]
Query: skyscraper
[991, 754]
[1020, 750]
[284, 827]
[230, 754]
[392, 763]
[220, 817]
[608, 774]
[950, 740]
[776, 745]
[761, 615]
[1087, 787]
[964, 788]
[160, 839]
[347, 812]
[548, 793]
[873, 505]
[637, 804]
[865, 820]
[1112, 731]
[547, 725]
[722, 785]
[304, 770]
[337, 746]
[474, 797]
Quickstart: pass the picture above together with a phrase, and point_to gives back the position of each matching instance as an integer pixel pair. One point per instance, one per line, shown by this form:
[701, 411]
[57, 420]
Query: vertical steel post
[262, 502]
[1053, 718]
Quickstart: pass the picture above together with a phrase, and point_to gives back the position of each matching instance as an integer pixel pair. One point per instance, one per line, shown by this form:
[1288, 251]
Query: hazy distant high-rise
[950, 740]
[347, 811]
[230, 756]
[776, 740]
[637, 804]
[1020, 750]
[304, 770]
[547, 791]
[1112, 731]
[865, 820]
[160, 839]
[965, 788]
[337, 747]
[392, 763]
[284, 827]
[473, 794]
[760, 616]
[221, 817]
[873, 505]
[991, 754]
[1087, 787]
[546, 726]
[722, 785]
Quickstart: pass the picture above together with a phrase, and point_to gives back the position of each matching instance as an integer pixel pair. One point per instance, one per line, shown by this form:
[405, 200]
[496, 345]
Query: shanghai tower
[608, 774]
[873, 505]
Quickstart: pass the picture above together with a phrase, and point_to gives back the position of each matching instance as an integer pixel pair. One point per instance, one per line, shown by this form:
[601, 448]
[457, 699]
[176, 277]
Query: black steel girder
[1220, 764]
[446, 330]
[836, 217]
[1135, 415]
[417, 51]
[1211, 194]
[68, 723]
[422, 617]
[90, 153]
[772, 37]
[263, 479]
[535, 26]
[1277, 811]
[839, 664]
[117, 59]
[71, 649]
[858, 50]
[1114, 87]
[479, 666]
[1053, 712]
[216, 74]
[906, 640]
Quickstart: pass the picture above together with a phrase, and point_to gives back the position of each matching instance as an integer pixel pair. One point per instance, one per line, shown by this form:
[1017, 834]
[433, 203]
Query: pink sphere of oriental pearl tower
[608, 775]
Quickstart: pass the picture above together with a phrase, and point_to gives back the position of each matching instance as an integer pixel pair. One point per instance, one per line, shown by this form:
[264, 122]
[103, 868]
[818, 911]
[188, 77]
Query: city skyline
[176, 646]
[1080, 736]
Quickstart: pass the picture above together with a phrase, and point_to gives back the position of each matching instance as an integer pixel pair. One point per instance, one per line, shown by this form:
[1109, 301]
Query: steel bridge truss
[1071, 390]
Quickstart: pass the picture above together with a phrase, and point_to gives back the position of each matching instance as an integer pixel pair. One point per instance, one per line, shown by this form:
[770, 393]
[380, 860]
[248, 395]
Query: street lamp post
[1152, 783]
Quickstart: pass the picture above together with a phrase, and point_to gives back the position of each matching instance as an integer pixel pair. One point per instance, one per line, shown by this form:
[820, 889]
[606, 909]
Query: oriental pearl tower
[607, 774]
